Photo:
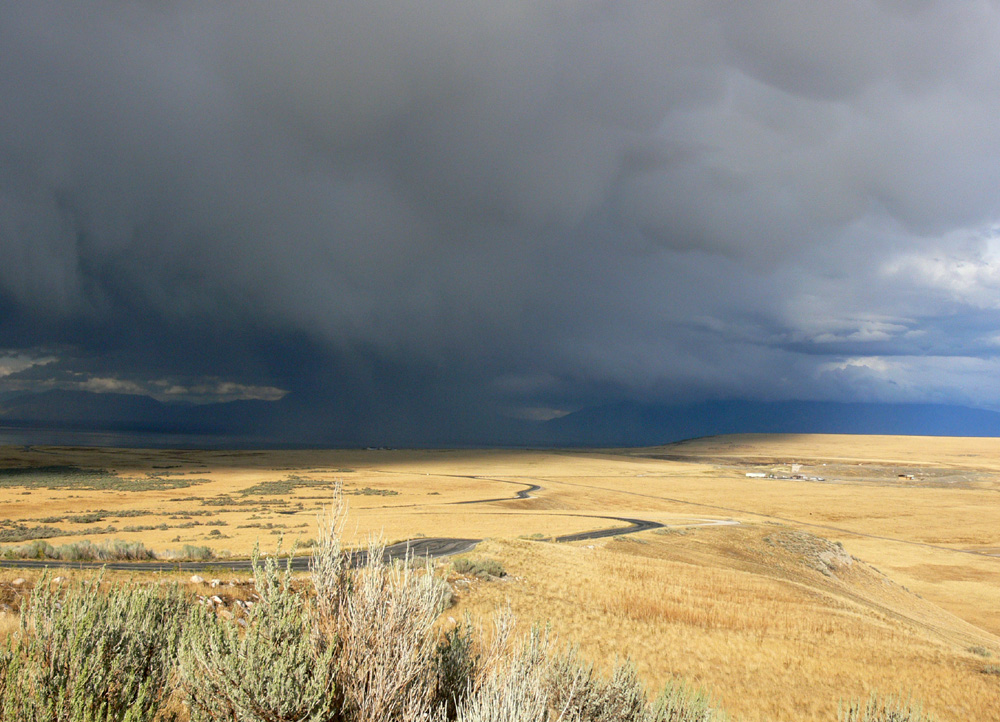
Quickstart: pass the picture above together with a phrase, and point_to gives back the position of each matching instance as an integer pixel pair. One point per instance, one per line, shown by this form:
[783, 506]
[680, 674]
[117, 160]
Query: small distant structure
[906, 476]
[756, 475]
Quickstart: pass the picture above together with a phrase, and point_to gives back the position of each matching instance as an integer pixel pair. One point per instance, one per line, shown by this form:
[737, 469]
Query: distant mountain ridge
[297, 420]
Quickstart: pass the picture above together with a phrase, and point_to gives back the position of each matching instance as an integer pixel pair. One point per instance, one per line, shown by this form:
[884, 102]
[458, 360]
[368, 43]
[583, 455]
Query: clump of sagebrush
[105, 551]
[680, 703]
[74, 477]
[112, 550]
[380, 618]
[482, 568]
[574, 687]
[85, 655]
[189, 552]
[277, 669]
[889, 709]
[387, 648]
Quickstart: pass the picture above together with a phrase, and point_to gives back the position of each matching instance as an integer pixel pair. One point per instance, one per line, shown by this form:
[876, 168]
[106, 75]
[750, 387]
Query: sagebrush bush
[112, 550]
[579, 693]
[276, 669]
[457, 664]
[679, 703]
[878, 709]
[509, 687]
[84, 655]
[483, 568]
[195, 553]
[386, 645]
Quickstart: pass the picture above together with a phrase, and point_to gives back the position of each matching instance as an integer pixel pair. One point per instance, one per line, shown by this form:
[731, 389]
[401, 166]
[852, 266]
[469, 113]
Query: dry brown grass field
[857, 563]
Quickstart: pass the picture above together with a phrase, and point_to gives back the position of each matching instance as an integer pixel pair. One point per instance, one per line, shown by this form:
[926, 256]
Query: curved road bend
[523, 494]
[637, 525]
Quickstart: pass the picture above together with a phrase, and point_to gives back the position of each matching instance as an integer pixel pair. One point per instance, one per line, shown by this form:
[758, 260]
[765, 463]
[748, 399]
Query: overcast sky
[525, 206]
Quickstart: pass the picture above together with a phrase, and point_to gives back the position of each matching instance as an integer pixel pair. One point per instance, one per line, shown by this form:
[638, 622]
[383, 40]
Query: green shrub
[19, 532]
[276, 670]
[193, 553]
[112, 550]
[482, 568]
[88, 656]
[457, 662]
[680, 703]
[31, 550]
[91, 518]
[105, 551]
[73, 477]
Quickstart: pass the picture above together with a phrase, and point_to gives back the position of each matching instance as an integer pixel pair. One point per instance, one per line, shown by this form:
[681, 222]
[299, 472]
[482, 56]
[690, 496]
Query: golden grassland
[771, 616]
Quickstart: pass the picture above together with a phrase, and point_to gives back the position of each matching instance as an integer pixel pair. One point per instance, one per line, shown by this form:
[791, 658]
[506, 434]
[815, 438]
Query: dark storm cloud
[534, 203]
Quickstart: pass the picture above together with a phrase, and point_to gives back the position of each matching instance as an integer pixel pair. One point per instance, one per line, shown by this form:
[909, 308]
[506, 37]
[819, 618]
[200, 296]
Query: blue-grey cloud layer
[523, 204]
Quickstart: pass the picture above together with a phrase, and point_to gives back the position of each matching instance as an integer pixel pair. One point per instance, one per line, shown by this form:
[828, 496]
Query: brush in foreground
[90, 655]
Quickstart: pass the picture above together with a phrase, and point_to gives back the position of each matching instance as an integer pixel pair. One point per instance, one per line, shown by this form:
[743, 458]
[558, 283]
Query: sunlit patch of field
[772, 615]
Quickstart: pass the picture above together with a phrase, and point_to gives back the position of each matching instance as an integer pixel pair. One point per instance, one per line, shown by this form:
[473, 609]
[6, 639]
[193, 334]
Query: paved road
[523, 494]
[637, 525]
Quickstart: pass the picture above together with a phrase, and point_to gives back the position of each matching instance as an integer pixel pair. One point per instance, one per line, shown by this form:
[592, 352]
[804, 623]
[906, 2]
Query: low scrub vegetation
[482, 568]
[14, 532]
[74, 477]
[887, 709]
[90, 655]
[106, 551]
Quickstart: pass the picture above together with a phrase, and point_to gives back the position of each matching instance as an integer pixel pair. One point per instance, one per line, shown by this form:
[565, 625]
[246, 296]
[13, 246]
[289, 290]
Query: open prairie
[841, 565]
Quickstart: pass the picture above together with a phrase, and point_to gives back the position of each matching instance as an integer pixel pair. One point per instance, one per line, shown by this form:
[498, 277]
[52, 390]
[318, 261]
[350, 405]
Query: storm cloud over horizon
[520, 206]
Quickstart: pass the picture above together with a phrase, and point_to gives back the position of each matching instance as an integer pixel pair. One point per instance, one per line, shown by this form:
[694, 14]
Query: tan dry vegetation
[770, 616]
[771, 637]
